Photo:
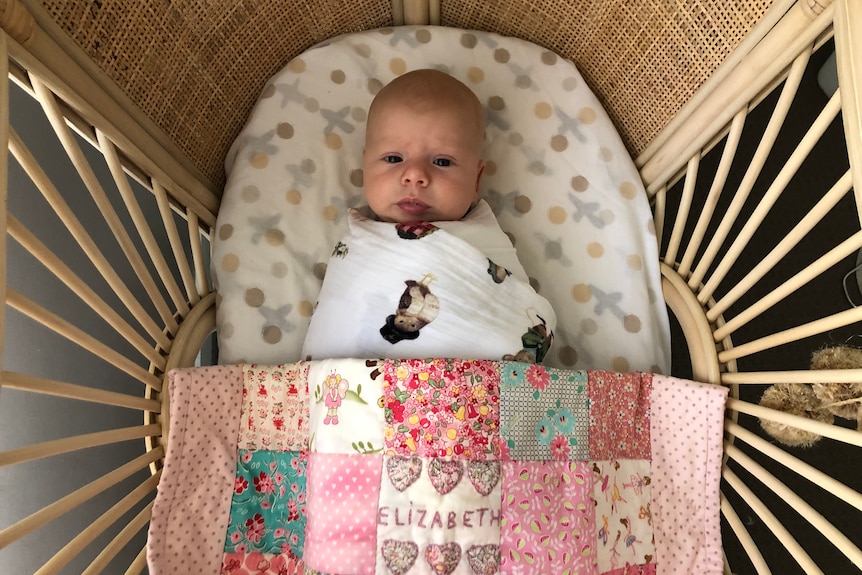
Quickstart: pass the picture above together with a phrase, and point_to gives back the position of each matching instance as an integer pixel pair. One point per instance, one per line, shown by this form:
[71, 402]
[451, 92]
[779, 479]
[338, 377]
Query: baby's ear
[479, 176]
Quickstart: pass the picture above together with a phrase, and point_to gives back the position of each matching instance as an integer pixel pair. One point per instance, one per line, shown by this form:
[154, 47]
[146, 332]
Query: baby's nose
[414, 174]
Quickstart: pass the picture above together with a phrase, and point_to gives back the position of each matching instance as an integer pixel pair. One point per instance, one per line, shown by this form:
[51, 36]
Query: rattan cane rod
[771, 195]
[106, 146]
[176, 245]
[779, 531]
[752, 173]
[79, 232]
[816, 327]
[719, 180]
[795, 36]
[97, 192]
[82, 289]
[99, 525]
[659, 201]
[752, 551]
[798, 376]
[201, 275]
[77, 497]
[844, 435]
[136, 524]
[834, 256]
[138, 564]
[80, 338]
[848, 40]
[816, 477]
[33, 384]
[684, 208]
[76, 443]
[784, 247]
[802, 507]
[416, 12]
[4, 183]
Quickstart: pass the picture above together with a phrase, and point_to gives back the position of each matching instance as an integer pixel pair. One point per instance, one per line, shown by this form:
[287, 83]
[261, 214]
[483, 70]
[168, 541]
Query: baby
[423, 147]
[422, 167]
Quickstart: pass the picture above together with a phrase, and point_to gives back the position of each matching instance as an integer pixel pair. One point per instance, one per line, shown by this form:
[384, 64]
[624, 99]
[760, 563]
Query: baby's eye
[391, 159]
[442, 162]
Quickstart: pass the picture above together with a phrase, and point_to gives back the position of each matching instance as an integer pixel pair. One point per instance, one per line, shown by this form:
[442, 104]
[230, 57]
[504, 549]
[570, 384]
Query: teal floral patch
[268, 506]
[544, 414]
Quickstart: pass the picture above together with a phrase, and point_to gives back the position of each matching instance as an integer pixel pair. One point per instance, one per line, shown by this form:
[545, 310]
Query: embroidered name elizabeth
[425, 519]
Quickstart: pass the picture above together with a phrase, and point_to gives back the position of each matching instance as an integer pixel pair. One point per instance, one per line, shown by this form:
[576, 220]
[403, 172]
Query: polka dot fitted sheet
[558, 178]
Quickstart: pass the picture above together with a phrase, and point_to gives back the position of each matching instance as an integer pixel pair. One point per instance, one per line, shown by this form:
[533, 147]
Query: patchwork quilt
[437, 466]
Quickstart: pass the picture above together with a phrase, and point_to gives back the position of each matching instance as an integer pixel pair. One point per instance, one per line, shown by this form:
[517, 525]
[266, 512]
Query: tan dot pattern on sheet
[398, 66]
[559, 143]
[272, 334]
[556, 175]
[557, 215]
[230, 263]
[293, 197]
[254, 297]
[259, 160]
[279, 269]
[333, 141]
[284, 131]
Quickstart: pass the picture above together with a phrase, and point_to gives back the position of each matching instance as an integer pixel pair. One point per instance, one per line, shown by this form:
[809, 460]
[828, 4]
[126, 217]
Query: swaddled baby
[425, 270]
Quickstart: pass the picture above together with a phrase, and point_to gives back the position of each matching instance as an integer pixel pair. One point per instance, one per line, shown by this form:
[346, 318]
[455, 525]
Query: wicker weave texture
[195, 67]
[644, 58]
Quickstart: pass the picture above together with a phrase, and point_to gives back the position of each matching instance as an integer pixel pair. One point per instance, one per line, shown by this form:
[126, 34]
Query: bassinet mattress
[558, 178]
[438, 466]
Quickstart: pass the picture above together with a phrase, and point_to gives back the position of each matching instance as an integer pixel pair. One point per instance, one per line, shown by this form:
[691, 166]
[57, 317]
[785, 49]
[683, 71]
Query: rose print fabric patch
[268, 505]
[262, 563]
[556, 426]
[275, 407]
[442, 408]
[619, 415]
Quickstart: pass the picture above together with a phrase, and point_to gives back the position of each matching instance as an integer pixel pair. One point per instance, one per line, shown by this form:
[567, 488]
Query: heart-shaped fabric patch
[484, 559]
[403, 471]
[399, 556]
[484, 475]
[443, 558]
[445, 475]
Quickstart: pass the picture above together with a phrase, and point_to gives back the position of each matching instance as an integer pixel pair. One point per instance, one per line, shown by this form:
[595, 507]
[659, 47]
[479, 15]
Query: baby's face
[422, 166]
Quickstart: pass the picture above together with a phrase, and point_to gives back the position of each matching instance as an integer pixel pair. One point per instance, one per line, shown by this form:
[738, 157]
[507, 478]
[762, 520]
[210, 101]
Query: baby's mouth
[413, 207]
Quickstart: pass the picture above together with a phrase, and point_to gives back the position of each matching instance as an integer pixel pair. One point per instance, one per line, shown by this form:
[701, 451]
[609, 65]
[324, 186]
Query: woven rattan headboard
[195, 68]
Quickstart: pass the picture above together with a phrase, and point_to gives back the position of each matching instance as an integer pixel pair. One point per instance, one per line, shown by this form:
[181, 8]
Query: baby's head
[423, 149]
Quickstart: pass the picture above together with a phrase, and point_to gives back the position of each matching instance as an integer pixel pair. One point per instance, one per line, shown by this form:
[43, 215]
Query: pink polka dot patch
[342, 512]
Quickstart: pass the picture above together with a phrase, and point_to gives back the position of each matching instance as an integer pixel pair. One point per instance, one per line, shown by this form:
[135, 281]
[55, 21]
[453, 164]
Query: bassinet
[750, 184]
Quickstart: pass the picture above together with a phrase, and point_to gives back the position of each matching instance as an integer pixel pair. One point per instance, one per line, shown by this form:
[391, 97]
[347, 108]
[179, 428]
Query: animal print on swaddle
[419, 290]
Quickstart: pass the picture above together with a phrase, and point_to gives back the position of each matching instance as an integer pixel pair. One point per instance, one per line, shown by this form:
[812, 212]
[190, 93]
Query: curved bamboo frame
[704, 224]
[697, 264]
